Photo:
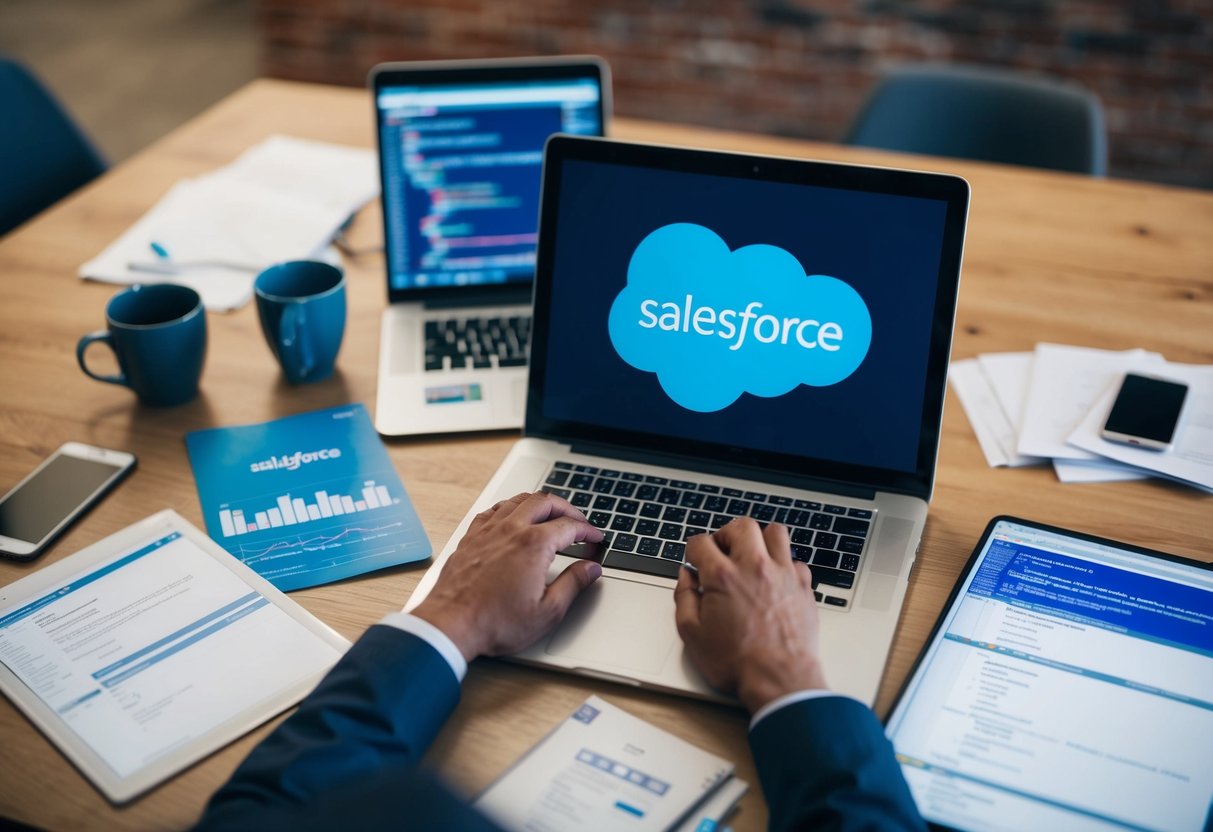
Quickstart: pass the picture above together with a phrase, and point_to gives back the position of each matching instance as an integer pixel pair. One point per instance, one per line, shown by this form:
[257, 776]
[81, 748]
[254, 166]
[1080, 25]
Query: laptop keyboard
[648, 520]
[476, 343]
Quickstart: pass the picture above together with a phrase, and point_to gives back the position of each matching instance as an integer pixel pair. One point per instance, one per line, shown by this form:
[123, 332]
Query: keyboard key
[731, 492]
[804, 554]
[519, 361]
[835, 601]
[652, 510]
[821, 522]
[559, 492]
[585, 469]
[681, 484]
[762, 512]
[674, 551]
[797, 517]
[581, 481]
[829, 509]
[719, 521]
[850, 562]
[802, 536]
[581, 499]
[600, 519]
[604, 503]
[648, 566]
[852, 526]
[807, 504]
[776, 500]
[709, 489]
[818, 596]
[739, 508]
[602, 485]
[657, 480]
[622, 523]
[433, 363]
[646, 492]
[832, 577]
[692, 531]
[781, 516]
[607, 472]
[624, 542]
[649, 546]
[756, 496]
[557, 478]
[628, 507]
[861, 513]
[699, 518]
[630, 477]
[825, 557]
[563, 466]
[624, 489]
[670, 531]
[716, 504]
[668, 496]
[853, 545]
[826, 540]
[648, 527]
[691, 499]
[674, 514]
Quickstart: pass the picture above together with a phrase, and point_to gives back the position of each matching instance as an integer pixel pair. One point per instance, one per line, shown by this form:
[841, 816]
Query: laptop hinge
[724, 469]
[497, 296]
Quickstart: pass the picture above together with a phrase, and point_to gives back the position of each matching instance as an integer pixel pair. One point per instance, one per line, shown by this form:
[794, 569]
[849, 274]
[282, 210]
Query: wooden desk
[1049, 258]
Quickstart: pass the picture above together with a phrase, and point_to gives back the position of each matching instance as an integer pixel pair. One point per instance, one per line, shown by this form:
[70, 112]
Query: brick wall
[795, 67]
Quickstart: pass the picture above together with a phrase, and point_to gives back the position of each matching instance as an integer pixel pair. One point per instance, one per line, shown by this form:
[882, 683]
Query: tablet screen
[147, 651]
[1069, 685]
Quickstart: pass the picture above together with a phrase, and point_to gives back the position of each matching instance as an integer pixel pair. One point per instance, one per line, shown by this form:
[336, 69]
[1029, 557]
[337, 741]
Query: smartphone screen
[40, 504]
[1147, 407]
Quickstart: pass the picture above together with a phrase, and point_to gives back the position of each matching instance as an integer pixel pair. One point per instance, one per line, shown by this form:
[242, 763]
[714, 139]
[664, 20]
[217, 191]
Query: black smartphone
[57, 492]
[1146, 412]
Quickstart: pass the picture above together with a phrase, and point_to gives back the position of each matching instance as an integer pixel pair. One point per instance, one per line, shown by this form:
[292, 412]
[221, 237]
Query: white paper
[1095, 470]
[603, 768]
[1190, 458]
[281, 200]
[1066, 382]
[993, 404]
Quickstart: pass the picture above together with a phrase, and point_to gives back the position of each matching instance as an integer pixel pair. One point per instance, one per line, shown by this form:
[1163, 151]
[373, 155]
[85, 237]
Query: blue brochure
[306, 500]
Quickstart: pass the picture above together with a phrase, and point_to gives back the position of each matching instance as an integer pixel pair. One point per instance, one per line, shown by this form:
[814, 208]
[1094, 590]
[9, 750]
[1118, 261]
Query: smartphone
[59, 490]
[1146, 412]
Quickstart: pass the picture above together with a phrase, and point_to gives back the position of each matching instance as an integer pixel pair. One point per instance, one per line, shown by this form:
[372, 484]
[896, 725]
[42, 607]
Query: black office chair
[990, 115]
[43, 155]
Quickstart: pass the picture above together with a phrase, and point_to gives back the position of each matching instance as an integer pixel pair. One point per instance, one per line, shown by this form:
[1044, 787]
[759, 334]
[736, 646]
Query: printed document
[603, 768]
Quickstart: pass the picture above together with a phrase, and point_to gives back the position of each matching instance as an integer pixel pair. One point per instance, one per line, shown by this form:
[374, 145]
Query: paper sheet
[1190, 459]
[993, 402]
[1066, 382]
[281, 200]
[1095, 470]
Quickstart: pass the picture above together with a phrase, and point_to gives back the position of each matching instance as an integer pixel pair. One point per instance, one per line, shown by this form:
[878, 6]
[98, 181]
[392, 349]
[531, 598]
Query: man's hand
[749, 619]
[491, 597]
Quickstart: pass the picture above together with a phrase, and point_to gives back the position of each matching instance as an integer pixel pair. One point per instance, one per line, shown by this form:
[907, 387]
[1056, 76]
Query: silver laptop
[719, 335]
[460, 153]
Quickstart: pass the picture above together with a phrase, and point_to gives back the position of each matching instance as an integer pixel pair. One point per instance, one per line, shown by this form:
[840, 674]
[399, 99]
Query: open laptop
[460, 155]
[684, 370]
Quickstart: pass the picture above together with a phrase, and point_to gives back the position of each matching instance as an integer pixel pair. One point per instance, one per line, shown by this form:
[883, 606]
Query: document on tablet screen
[1070, 686]
[145, 651]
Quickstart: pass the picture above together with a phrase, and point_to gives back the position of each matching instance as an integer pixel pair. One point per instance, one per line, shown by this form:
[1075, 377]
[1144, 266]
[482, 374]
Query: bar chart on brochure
[306, 517]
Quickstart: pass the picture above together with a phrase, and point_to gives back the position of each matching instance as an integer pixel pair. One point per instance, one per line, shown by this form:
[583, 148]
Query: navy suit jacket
[347, 758]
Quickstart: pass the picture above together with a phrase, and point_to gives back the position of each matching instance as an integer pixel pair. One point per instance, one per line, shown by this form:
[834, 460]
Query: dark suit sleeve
[825, 764]
[349, 752]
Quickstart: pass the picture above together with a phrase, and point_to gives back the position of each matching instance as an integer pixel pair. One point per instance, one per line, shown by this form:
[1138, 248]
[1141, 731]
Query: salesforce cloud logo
[714, 323]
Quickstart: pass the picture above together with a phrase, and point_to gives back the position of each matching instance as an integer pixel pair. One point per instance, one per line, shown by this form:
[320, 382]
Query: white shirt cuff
[789, 699]
[430, 634]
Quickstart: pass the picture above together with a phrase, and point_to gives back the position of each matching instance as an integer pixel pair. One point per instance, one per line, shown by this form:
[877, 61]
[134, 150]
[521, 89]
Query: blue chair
[990, 115]
[43, 155]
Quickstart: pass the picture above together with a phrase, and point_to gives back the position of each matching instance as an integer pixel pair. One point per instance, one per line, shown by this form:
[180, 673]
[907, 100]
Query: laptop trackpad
[618, 625]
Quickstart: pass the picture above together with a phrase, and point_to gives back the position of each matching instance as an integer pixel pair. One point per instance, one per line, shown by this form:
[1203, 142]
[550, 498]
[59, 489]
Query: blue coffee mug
[302, 309]
[158, 334]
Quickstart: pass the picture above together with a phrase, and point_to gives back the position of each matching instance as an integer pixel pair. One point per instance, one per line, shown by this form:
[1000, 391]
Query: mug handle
[293, 340]
[106, 337]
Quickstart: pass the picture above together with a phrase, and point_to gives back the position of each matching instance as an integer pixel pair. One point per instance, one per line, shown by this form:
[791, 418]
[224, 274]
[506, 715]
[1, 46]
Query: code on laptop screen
[461, 173]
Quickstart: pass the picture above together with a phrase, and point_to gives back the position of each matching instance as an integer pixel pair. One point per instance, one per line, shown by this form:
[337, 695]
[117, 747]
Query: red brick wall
[795, 67]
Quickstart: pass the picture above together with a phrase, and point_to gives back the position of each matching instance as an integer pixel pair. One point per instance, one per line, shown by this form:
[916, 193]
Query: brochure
[306, 500]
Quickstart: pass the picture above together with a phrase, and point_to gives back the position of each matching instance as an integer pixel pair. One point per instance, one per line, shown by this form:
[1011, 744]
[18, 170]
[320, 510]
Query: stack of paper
[1049, 406]
[603, 768]
[281, 200]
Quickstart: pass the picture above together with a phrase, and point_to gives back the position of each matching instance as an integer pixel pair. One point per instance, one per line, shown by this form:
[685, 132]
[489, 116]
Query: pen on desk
[165, 264]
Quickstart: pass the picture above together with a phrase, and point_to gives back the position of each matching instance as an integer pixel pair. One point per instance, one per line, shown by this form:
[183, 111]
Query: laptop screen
[1068, 685]
[461, 155]
[801, 312]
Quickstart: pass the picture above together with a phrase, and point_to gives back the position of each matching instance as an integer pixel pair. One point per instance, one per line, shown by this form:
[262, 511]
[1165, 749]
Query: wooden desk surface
[1050, 257]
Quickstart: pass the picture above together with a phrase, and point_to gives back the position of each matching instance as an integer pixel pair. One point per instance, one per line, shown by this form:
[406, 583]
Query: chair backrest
[991, 115]
[43, 155]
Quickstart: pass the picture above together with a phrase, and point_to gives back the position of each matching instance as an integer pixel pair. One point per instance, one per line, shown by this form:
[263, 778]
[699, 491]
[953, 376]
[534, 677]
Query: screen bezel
[436, 73]
[946, 612]
[728, 459]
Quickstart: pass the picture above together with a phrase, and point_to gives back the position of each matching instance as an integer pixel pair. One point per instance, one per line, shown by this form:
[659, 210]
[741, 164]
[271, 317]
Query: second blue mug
[302, 309]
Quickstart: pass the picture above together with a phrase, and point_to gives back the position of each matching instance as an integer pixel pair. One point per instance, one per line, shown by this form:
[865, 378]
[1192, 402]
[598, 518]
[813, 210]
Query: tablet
[1067, 685]
[148, 650]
